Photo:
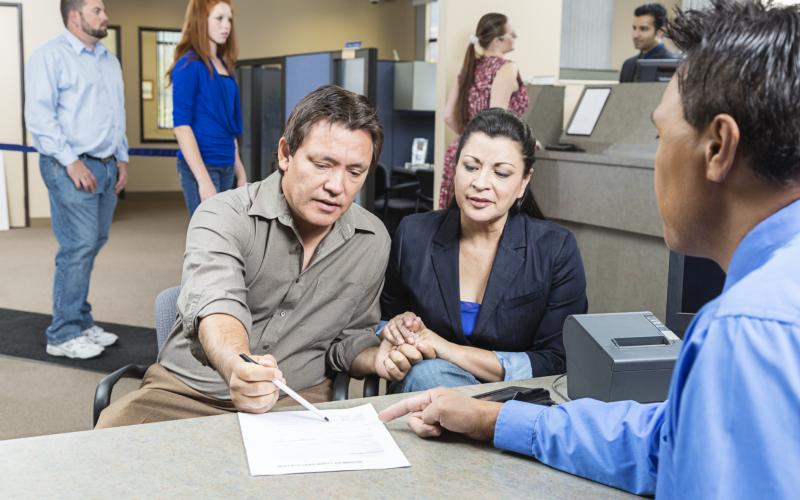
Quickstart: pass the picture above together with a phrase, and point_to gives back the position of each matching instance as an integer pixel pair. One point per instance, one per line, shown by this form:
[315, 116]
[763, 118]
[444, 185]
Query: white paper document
[292, 442]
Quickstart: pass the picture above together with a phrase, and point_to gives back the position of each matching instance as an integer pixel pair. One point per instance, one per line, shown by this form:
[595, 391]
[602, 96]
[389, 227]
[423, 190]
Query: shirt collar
[270, 203]
[758, 245]
[78, 46]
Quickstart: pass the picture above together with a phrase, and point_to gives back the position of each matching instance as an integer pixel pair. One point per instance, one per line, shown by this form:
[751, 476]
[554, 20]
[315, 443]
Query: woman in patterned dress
[486, 80]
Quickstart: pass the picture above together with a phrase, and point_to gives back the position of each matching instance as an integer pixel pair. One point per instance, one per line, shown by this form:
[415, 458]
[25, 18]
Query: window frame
[157, 91]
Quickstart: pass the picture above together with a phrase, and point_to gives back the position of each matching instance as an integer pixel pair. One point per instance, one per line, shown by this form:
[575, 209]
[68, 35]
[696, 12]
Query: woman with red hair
[206, 110]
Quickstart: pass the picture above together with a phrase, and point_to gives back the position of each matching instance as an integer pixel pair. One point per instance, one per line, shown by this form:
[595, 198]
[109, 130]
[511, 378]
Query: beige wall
[41, 22]
[538, 25]
[280, 27]
[11, 125]
[145, 173]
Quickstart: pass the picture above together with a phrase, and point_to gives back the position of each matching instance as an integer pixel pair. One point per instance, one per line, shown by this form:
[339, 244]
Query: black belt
[107, 159]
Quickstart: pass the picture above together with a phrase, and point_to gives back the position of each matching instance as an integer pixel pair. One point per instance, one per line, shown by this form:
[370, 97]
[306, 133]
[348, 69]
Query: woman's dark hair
[743, 59]
[498, 122]
[656, 10]
[490, 26]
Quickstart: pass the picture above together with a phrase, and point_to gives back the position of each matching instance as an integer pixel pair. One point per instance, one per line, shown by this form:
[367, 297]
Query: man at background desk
[649, 22]
[288, 270]
[727, 175]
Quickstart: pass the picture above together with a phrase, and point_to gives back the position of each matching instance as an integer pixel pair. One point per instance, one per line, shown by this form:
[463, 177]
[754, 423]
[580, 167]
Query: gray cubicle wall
[605, 196]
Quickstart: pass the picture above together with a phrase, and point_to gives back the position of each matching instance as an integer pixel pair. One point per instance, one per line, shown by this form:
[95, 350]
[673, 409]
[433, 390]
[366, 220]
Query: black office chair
[166, 311]
[390, 198]
[425, 191]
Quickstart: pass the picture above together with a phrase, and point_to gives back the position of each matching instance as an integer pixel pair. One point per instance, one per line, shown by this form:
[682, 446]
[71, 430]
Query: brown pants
[163, 397]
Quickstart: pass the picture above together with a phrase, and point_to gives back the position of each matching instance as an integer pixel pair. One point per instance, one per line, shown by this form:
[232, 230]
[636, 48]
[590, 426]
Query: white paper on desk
[292, 442]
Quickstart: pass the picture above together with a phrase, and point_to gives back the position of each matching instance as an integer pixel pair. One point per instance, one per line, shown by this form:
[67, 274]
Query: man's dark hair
[338, 106]
[743, 59]
[656, 10]
[70, 5]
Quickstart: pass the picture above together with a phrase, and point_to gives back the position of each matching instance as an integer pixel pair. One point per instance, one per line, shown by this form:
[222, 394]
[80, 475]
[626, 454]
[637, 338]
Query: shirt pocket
[333, 305]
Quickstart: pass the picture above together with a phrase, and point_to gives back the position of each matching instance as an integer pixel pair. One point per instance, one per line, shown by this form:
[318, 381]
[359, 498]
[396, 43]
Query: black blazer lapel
[444, 257]
[507, 263]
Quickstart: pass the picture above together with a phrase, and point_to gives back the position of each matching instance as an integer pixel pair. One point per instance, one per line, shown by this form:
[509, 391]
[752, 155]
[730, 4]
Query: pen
[289, 392]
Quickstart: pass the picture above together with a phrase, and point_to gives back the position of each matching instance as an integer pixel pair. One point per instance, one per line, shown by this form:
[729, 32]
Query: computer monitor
[692, 283]
[655, 70]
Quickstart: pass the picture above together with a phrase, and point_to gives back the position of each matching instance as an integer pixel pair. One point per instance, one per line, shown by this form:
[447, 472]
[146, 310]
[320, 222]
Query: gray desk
[204, 458]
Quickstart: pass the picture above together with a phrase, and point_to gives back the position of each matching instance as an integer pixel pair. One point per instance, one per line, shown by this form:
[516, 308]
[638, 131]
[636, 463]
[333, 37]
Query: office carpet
[22, 335]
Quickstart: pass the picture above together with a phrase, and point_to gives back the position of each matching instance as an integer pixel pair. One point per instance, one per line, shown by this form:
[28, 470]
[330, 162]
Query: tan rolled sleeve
[214, 269]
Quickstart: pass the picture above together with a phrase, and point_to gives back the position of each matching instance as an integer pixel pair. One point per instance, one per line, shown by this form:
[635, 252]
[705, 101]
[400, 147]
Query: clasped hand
[408, 329]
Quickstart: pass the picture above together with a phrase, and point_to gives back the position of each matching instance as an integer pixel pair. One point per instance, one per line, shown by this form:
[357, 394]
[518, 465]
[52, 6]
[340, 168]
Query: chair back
[425, 179]
[381, 180]
[166, 312]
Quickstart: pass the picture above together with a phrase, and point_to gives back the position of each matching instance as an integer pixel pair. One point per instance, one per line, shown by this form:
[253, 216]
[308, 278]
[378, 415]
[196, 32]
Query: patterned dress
[479, 95]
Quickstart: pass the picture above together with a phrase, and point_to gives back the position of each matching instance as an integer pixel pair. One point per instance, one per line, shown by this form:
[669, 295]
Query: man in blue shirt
[727, 175]
[75, 111]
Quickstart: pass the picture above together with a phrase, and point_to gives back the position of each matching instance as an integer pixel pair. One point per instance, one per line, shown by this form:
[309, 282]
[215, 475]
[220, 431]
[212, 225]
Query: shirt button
[283, 313]
[265, 346]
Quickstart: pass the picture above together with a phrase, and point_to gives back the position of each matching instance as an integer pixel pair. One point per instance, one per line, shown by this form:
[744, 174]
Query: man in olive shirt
[287, 270]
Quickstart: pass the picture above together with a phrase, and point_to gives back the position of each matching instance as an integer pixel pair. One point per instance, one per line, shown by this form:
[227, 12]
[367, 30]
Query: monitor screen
[588, 110]
[655, 70]
[692, 283]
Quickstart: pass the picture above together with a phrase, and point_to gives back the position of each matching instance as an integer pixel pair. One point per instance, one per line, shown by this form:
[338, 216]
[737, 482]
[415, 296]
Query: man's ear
[722, 136]
[283, 154]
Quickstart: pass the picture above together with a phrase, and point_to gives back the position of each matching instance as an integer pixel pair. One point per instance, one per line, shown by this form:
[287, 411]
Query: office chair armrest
[102, 395]
[341, 386]
[371, 385]
[402, 186]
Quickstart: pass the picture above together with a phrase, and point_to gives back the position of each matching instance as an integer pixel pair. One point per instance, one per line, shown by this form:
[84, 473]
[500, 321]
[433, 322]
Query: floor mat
[22, 335]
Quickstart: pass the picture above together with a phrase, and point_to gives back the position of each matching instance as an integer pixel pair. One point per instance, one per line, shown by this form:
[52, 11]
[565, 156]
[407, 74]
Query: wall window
[156, 52]
[166, 41]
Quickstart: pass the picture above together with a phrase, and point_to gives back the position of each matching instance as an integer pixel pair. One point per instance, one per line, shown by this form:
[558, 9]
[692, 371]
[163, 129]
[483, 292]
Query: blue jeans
[430, 373]
[81, 221]
[224, 178]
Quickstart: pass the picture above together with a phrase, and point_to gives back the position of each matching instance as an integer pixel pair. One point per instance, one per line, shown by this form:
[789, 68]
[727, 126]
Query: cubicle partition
[272, 87]
[605, 196]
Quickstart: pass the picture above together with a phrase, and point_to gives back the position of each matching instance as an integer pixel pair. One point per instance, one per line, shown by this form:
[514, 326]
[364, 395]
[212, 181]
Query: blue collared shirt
[74, 101]
[731, 425]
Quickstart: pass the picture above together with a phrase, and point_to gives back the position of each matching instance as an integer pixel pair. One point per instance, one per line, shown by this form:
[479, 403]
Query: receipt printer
[619, 356]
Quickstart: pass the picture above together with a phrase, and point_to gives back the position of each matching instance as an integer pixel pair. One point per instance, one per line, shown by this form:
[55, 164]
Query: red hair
[194, 36]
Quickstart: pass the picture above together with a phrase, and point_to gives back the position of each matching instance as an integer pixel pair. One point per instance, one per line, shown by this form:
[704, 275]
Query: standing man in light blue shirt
[75, 111]
[727, 178]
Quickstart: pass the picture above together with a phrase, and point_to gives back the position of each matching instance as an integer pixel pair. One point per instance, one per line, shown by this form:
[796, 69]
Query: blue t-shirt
[469, 313]
[210, 105]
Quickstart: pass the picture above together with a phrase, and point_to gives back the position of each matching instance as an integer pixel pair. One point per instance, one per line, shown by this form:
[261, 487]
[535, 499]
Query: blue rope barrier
[132, 152]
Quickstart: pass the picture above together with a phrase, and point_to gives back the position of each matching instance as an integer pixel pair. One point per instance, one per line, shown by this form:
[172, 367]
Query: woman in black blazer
[481, 290]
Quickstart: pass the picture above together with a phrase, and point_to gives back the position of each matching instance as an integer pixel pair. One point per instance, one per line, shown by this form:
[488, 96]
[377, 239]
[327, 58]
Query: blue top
[731, 425]
[536, 281]
[74, 101]
[210, 105]
[469, 313]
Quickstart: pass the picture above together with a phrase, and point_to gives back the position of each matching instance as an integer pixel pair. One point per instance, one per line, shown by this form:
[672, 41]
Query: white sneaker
[79, 347]
[100, 336]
